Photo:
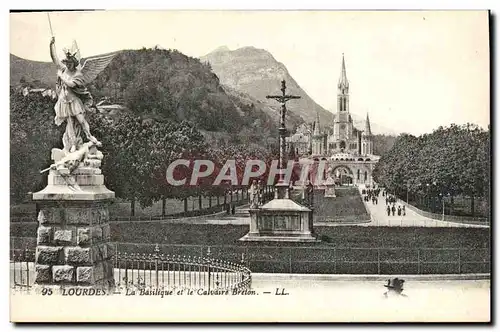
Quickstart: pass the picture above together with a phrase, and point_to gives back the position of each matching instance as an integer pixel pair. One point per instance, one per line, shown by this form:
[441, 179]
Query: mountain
[257, 73]
[163, 84]
[292, 118]
[36, 73]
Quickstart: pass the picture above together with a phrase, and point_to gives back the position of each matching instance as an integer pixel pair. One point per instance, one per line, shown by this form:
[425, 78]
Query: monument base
[74, 248]
[281, 220]
[279, 238]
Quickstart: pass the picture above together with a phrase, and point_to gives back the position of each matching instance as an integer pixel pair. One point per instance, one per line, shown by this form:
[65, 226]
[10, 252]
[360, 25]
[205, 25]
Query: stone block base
[74, 255]
[256, 237]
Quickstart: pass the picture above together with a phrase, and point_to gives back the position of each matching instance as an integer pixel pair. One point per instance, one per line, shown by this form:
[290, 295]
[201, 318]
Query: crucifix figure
[282, 99]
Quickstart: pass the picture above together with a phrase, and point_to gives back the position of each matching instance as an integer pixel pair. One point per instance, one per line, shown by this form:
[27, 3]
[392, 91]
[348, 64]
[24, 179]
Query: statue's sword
[50, 25]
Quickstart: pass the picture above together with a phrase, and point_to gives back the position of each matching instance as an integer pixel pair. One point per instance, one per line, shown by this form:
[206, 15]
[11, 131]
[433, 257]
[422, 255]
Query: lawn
[347, 206]
[347, 249]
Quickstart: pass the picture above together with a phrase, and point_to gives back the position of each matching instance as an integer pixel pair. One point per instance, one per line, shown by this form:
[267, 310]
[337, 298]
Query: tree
[33, 135]
[450, 161]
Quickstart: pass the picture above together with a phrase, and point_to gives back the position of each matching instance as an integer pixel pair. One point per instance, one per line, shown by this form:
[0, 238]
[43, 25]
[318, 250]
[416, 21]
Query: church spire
[343, 82]
[368, 129]
[316, 125]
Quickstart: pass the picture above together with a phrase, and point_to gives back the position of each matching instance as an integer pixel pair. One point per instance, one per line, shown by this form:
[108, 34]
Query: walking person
[399, 210]
[393, 209]
[404, 210]
[388, 210]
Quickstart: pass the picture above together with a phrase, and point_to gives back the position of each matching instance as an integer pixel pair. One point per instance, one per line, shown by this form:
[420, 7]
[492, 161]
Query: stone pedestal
[281, 220]
[73, 237]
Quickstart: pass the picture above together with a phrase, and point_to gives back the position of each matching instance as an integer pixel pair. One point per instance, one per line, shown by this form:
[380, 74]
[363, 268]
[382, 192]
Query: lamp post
[407, 189]
[427, 197]
[442, 198]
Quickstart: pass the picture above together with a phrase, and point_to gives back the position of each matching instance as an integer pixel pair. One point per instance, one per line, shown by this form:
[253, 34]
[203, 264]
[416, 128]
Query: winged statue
[74, 100]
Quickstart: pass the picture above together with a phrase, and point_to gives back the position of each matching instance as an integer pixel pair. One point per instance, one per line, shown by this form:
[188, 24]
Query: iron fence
[212, 268]
[407, 221]
[147, 270]
[22, 268]
[152, 270]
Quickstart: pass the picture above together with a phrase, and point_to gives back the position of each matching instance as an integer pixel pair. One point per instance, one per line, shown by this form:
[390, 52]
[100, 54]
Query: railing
[22, 268]
[407, 221]
[156, 270]
[152, 269]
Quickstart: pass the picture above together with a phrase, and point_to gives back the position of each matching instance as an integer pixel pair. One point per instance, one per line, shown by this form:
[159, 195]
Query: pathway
[412, 219]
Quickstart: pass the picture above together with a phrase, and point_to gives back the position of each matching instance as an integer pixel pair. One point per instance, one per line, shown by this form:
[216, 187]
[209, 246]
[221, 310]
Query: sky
[411, 71]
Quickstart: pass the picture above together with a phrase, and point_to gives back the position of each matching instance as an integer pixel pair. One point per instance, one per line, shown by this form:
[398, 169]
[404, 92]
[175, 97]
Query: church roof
[368, 129]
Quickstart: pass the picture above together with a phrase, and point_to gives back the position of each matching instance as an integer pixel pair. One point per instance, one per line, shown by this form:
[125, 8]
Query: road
[379, 217]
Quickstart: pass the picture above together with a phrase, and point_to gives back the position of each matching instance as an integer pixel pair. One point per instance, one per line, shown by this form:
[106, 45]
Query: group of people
[371, 195]
[392, 208]
[389, 198]
[390, 201]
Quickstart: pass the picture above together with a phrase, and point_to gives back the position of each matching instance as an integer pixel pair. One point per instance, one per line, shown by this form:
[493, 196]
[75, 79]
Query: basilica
[348, 150]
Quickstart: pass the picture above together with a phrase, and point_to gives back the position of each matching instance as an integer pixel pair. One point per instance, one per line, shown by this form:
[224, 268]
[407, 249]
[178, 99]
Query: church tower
[367, 138]
[343, 126]
[317, 139]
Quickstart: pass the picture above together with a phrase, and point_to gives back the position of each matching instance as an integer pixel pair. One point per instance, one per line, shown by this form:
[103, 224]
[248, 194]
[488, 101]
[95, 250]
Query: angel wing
[92, 66]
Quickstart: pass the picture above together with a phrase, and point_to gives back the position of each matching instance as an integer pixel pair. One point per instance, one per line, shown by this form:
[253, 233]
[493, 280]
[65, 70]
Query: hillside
[162, 84]
[255, 72]
[39, 74]
[293, 120]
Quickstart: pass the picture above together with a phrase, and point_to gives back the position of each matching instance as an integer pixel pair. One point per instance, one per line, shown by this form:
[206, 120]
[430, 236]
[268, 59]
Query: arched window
[342, 144]
[342, 159]
[366, 175]
[367, 159]
[360, 159]
[358, 173]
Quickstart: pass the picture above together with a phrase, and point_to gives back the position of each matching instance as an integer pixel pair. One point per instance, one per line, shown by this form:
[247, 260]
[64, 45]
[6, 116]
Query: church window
[358, 174]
